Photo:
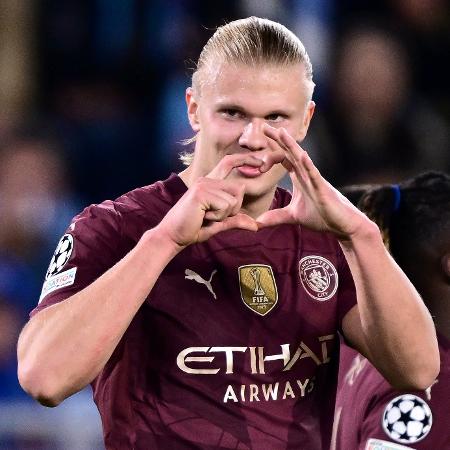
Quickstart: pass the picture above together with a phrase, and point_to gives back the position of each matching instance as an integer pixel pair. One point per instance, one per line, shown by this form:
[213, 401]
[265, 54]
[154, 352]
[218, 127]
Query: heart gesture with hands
[315, 203]
[212, 204]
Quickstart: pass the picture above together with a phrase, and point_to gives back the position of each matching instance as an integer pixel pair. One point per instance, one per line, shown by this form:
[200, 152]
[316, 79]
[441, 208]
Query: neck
[254, 206]
[187, 176]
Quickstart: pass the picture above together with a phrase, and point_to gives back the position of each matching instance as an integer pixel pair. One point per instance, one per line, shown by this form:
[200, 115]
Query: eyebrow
[226, 105]
[234, 106]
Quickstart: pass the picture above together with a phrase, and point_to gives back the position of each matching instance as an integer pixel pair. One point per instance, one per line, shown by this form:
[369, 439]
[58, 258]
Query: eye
[275, 117]
[231, 113]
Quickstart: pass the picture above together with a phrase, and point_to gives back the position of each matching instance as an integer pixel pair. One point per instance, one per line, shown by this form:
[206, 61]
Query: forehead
[263, 85]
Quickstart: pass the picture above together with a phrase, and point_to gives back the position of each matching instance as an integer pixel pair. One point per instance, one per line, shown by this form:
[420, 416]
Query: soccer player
[204, 309]
[415, 221]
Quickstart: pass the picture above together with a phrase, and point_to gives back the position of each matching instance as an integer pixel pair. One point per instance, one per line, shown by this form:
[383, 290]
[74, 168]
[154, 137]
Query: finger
[206, 185]
[276, 156]
[219, 205]
[288, 146]
[274, 217]
[239, 196]
[303, 161]
[237, 190]
[272, 133]
[230, 190]
[303, 165]
[230, 162]
[277, 149]
[313, 172]
[292, 147]
[240, 221]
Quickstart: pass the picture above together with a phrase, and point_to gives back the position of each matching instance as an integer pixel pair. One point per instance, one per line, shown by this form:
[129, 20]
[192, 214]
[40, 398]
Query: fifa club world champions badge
[258, 288]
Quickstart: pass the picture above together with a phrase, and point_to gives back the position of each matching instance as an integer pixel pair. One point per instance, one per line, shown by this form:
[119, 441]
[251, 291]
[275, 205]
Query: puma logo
[191, 275]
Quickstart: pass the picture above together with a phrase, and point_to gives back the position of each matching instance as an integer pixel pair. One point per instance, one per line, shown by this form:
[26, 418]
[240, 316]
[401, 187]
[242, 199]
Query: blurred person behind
[35, 197]
[423, 26]
[35, 201]
[179, 43]
[378, 125]
[10, 325]
[414, 218]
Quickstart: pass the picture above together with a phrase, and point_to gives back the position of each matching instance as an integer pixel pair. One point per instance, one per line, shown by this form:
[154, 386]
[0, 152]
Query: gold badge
[258, 288]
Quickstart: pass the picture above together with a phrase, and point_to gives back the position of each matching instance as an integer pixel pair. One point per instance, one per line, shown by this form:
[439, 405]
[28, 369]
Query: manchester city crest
[318, 276]
[258, 288]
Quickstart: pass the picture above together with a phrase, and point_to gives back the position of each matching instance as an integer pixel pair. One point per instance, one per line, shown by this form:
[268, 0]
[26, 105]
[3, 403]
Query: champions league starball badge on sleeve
[407, 419]
[61, 256]
[54, 278]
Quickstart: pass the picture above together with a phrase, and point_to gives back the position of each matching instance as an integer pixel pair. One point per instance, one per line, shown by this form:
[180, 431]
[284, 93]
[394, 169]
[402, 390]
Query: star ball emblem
[61, 256]
[407, 419]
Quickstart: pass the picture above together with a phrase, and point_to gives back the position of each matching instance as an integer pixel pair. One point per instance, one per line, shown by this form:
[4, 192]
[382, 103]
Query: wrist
[157, 239]
[367, 234]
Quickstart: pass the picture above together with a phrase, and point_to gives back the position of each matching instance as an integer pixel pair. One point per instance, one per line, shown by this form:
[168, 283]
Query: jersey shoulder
[416, 419]
[149, 202]
[101, 235]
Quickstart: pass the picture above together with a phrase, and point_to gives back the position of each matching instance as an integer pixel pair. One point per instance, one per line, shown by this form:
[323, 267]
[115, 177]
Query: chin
[257, 187]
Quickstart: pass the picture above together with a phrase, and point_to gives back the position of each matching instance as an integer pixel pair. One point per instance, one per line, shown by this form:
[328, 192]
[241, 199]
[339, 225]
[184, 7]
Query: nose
[253, 137]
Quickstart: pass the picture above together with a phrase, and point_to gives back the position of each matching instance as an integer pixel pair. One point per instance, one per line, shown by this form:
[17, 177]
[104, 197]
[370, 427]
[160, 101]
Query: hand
[212, 203]
[315, 203]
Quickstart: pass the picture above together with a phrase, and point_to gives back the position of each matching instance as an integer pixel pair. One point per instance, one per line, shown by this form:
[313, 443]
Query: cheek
[297, 130]
[218, 126]
[224, 133]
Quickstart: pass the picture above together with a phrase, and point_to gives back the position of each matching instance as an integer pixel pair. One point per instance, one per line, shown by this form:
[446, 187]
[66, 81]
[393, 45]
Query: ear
[445, 264]
[309, 112]
[192, 109]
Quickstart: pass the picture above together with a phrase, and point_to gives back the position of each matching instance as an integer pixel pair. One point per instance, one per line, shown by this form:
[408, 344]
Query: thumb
[241, 221]
[274, 217]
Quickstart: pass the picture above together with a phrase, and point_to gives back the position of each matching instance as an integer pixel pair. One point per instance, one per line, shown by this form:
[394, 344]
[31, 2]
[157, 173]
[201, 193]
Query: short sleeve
[416, 420]
[346, 290]
[89, 247]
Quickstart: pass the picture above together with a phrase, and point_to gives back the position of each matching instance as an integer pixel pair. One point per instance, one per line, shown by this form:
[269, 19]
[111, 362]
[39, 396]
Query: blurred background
[92, 105]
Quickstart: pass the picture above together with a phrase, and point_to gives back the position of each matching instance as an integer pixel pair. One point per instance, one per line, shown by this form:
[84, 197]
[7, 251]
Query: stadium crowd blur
[92, 105]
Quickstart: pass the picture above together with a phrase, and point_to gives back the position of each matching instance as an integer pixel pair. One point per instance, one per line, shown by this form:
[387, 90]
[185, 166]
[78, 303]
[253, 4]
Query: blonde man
[204, 309]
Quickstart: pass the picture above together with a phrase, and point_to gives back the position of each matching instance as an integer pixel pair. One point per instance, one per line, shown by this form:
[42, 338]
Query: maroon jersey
[371, 415]
[235, 347]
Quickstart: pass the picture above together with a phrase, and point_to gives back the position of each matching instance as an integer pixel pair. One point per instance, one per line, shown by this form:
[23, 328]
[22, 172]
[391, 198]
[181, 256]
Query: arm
[64, 347]
[390, 325]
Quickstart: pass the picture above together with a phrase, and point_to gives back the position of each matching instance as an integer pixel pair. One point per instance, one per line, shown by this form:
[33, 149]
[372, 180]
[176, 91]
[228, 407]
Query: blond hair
[251, 41]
